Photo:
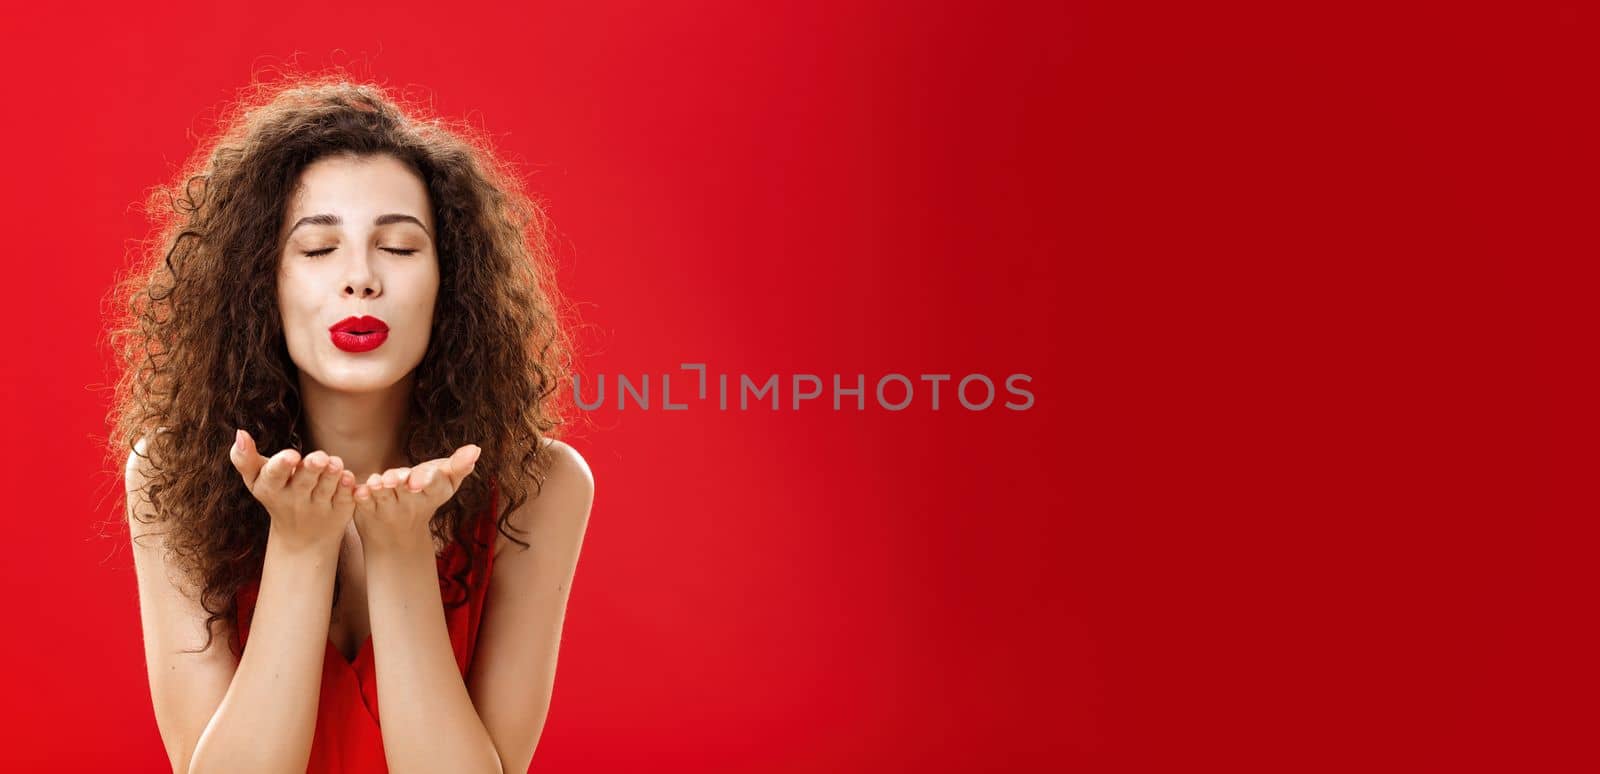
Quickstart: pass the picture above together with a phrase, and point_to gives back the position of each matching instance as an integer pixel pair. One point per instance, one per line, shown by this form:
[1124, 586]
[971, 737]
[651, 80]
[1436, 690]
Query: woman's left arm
[434, 720]
[514, 669]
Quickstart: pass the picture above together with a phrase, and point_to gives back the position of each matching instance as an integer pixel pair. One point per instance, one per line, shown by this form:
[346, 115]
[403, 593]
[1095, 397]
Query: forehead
[358, 189]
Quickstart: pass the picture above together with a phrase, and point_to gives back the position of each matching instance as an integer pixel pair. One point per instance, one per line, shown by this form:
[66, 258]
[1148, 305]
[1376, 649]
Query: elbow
[516, 764]
[182, 761]
[496, 763]
[197, 765]
[192, 766]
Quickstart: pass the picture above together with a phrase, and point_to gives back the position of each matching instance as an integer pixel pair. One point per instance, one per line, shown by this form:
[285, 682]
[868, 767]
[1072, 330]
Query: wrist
[297, 545]
[406, 542]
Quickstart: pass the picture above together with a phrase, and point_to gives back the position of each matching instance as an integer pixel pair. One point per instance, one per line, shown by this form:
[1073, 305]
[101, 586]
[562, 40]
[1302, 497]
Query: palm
[398, 504]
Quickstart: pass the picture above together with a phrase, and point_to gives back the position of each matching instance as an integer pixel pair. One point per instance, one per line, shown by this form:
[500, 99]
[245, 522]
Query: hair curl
[201, 347]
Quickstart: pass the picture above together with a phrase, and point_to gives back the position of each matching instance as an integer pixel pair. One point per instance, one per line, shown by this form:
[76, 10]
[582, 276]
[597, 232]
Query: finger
[275, 473]
[244, 458]
[382, 496]
[394, 477]
[421, 476]
[307, 475]
[440, 488]
[345, 489]
[254, 456]
[250, 448]
[463, 462]
[322, 491]
[365, 505]
[459, 465]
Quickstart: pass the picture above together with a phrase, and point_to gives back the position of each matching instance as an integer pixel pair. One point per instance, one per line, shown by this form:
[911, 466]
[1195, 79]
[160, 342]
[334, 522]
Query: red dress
[347, 738]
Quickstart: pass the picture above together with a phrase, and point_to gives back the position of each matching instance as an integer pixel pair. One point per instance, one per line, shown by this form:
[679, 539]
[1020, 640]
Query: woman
[342, 366]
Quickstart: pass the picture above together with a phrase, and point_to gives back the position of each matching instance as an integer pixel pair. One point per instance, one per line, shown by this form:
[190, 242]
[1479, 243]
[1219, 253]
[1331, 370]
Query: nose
[360, 281]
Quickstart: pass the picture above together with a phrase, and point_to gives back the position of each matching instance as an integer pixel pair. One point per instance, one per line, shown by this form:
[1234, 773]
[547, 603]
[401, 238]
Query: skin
[357, 507]
[355, 402]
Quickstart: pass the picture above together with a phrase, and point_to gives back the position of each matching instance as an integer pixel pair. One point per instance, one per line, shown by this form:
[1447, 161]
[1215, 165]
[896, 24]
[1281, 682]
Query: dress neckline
[443, 561]
[362, 653]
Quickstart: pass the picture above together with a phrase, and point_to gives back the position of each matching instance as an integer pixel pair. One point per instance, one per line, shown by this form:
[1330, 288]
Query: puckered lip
[362, 324]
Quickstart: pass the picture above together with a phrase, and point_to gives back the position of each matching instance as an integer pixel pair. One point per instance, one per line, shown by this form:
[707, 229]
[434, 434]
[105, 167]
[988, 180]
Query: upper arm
[185, 688]
[513, 671]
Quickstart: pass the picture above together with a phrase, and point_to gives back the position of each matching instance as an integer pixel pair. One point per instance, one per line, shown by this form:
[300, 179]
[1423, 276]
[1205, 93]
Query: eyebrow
[328, 219]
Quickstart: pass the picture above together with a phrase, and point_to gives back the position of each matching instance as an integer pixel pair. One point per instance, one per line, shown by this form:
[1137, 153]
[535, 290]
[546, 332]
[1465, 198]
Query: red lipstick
[359, 334]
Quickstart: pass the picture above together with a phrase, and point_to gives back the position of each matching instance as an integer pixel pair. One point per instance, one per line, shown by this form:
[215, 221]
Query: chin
[358, 380]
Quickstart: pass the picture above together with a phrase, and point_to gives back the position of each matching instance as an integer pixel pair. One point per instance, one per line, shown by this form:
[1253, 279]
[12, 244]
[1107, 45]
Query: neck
[361, 429]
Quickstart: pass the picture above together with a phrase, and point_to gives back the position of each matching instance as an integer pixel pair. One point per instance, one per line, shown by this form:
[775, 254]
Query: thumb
[463, 461]
[245, 458]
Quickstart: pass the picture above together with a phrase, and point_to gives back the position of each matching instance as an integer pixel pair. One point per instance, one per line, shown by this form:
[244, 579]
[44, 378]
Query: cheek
[433, 293]
[422, 291]
[293, 307]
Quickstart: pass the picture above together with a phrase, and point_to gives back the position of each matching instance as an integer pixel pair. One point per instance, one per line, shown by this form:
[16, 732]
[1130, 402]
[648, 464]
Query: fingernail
[472, 456]
[238, 439]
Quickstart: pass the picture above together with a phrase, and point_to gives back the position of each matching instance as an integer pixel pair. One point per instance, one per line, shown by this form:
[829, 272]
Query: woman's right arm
[216, 712]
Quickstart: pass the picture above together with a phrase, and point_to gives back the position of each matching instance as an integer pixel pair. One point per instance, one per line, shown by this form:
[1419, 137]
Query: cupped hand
[392, 510]
[311, 500]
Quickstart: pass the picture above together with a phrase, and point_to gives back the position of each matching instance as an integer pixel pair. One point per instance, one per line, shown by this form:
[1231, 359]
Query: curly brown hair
[201, 347]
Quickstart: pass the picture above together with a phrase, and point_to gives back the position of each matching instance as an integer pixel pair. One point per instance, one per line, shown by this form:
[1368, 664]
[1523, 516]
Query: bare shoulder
[136, 476]
[559, 510]
[146, 528]
[187, 681]
[568, 466]
[513, 673]
[140, 465]
[137, 471]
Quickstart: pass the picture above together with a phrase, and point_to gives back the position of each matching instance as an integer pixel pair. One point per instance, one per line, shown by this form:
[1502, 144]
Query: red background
[1312, 440]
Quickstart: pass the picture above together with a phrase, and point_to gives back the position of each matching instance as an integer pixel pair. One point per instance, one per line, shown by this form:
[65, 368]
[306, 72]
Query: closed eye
[326, 250]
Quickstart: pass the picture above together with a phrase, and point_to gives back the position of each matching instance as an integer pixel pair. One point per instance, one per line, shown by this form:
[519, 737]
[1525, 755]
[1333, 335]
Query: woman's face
[359, 244]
